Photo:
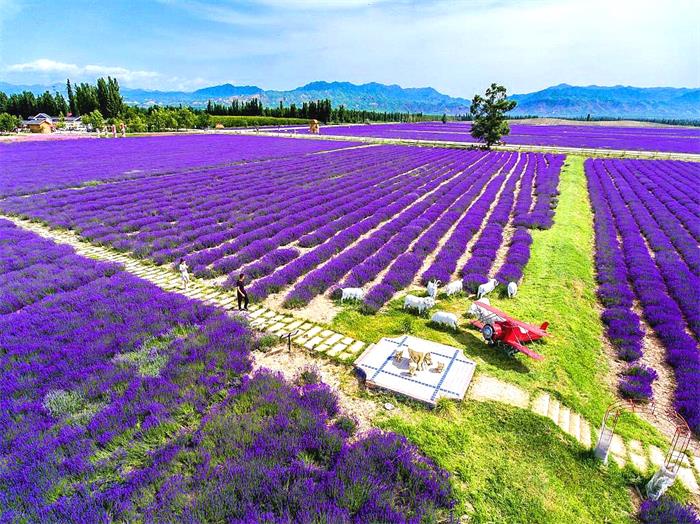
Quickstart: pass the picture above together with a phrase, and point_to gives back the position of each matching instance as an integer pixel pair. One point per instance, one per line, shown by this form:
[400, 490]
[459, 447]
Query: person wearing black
[241, 293]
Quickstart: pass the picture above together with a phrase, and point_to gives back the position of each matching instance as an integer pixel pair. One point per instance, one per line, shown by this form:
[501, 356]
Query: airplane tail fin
[544, 326]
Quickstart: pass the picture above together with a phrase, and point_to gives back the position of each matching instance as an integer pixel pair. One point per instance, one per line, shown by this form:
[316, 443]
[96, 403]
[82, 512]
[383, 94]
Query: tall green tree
[86, 98]
[60, 103]
[71, 99]
[102, 96]
[115, 103]
[488, 113]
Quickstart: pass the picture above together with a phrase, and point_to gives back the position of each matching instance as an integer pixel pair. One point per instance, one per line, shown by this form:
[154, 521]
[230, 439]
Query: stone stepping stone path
[644, 459]
[317, 339]
[309, 335]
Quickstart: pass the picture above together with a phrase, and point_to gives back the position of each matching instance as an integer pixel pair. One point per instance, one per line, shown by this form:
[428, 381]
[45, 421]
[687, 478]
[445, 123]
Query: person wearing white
[184, 274]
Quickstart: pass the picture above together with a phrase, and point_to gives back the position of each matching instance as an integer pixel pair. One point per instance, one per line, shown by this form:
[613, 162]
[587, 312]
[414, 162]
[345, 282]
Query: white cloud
[44, 65]
[54, 70]
[326, 5]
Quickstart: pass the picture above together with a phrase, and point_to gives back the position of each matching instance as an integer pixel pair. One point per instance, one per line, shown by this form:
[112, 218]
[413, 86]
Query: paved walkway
[316, 338]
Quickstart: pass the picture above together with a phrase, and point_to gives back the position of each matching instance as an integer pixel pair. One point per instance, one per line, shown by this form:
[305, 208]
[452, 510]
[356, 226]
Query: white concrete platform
[380, 369]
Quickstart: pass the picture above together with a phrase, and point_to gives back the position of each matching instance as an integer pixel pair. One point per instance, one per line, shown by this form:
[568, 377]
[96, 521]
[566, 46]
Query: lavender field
[31, 167]
[379, 217]
[647, 233]
[121, 402]
[666, 139]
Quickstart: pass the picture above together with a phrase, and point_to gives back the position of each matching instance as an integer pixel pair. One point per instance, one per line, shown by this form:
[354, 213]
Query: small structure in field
[41, 123]
[314, 127]
[417, 368]
[219, 125]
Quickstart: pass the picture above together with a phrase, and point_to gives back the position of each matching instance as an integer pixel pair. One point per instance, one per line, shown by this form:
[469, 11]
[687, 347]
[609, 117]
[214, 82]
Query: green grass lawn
[510, 466]
[559, 287]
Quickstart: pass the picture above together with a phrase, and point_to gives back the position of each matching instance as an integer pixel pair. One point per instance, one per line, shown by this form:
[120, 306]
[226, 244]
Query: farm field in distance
[146, 405]
[666, 139]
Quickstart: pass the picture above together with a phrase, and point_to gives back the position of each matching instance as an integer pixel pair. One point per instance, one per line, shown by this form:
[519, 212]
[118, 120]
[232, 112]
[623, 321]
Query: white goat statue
[485, 289]
[512, 289]
[444, 318]
[352, 293]
[474, 310]
[453, 288]
[433, 286]
[420, 303]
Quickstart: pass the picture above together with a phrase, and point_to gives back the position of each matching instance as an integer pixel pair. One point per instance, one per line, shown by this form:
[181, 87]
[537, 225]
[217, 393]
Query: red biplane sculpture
[498, 328]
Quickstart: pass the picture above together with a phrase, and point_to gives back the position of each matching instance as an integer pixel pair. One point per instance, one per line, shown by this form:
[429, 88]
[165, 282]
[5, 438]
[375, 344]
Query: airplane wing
[495, 311]
[523, 329]
[525, 350]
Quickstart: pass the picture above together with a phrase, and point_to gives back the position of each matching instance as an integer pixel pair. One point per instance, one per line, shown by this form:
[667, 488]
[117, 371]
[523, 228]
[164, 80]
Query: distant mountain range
[562, 100]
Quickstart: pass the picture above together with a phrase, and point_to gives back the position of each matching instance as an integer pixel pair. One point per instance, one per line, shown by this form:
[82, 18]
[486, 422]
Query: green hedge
[253, 121]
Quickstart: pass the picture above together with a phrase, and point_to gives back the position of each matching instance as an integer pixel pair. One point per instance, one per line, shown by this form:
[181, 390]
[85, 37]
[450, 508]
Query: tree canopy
[489, 115]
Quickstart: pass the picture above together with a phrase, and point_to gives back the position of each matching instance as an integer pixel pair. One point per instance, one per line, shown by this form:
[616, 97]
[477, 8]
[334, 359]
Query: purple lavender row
[614, 290]
[484, 251]
[541, 215]
[404, 270]
[443, 200]
[673, 230]
[95, 384]
[445, 263]
[682, 284]
[518, 253]
[397, 232]
[516, 259]
[325, 232]
[361, 209]
[31, 269]
[680, 174]
[284, 215]
[116, 209]
[386, 208]
[314, 213]
[201, 209]
[677, 201]
[58, 164]
[660, 311]
[523, 204]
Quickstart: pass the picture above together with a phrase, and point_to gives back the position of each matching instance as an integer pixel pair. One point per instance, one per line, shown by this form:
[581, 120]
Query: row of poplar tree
[84, 98]
[322, 110]
[104, 101]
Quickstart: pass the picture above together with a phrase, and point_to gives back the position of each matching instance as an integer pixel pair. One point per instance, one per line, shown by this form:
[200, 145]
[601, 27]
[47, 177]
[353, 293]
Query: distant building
[74, 123]
[43, 123]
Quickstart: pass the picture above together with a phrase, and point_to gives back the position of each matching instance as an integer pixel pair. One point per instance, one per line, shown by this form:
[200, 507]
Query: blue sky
[456, 46]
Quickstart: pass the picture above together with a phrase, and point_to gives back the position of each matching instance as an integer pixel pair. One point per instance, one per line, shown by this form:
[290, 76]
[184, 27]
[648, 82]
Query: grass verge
[509, 465]
[559, 287]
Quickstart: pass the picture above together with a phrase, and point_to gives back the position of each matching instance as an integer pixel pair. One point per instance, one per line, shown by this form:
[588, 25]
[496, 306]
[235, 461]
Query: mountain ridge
[561, 100]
